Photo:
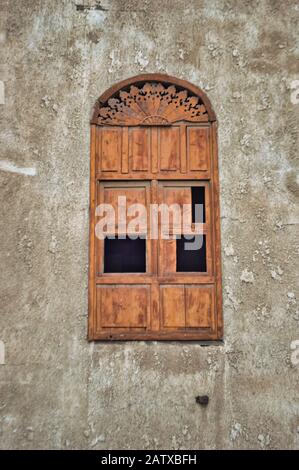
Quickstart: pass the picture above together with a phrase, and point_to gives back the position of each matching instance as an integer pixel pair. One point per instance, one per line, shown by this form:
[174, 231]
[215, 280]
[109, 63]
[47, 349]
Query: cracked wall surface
[58, 390]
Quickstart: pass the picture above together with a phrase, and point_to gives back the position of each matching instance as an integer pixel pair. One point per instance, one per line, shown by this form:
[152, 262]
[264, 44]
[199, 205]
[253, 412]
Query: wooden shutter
[153, 140]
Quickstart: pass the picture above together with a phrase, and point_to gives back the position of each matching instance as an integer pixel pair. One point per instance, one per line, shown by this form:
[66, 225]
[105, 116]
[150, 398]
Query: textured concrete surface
[59, 391]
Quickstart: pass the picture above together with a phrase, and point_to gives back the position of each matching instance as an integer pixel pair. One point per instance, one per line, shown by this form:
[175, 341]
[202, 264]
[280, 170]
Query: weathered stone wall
[58, 390]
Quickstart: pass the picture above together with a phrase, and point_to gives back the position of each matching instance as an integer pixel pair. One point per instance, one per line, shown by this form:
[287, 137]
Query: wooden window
[154, 143]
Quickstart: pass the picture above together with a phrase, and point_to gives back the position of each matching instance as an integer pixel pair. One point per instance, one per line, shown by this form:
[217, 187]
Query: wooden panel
[110, 152]
[123, 306]
[177, 195]
[182, 196]
[198, 148]
[199, 306]
[168, 259]
[169, 148]
[139, 149]
[133, 195]
[173, 306]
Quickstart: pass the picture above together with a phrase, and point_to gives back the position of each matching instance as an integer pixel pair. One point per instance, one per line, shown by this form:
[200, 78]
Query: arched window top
[152, 99]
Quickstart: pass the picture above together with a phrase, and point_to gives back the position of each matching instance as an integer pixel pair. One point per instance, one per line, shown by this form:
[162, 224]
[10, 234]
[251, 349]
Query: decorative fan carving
[151, 104]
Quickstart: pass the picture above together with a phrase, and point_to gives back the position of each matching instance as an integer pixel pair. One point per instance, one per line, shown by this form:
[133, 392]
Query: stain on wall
[58, 390]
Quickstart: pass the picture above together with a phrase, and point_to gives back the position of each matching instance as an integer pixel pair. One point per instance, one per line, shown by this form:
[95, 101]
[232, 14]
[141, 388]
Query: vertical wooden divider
[155, 295]
[183, 148]
[92, 261]
[216, 228]
[154, 149]
[125, 150]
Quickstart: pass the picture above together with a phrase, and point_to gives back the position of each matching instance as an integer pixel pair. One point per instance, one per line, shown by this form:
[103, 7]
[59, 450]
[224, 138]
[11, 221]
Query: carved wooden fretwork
[151, 104]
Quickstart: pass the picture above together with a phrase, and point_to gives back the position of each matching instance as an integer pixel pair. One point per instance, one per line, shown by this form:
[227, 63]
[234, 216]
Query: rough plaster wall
[59, 391]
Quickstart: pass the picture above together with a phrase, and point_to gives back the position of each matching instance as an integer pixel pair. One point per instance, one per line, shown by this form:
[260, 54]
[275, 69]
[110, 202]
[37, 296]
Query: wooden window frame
[154, 177]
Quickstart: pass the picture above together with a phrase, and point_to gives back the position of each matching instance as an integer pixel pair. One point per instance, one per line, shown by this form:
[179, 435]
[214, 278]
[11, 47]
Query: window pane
[124, 255]
[191, 260]
[198, 197]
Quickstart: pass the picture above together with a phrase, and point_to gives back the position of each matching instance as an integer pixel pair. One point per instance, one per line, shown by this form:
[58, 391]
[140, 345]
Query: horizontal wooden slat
[132, 278]
[111, 278]
[152, 176]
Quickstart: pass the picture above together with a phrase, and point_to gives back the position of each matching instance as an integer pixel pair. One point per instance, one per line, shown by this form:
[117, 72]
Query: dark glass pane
[124, 255]
[191, 260]
[198, 197]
